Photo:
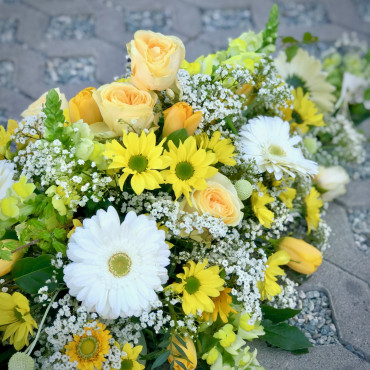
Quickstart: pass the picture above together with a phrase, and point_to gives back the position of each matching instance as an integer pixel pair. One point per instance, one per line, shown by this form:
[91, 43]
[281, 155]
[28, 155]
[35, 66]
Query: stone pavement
[77, 43]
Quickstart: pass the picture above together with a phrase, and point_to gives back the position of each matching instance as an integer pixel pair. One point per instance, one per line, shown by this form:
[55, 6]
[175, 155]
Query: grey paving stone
[155, 20]
[12, 103]
[343, 251]
[333, 357]
[186, 19]
[6, 73]
[350, 300]
[363, 8]
[71, 27]
[196, 48]
[8, 30]
[358, 194]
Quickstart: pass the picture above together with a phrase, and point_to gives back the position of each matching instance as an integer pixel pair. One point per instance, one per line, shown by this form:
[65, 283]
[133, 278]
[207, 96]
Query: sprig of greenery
[292, 45]
[271, 29]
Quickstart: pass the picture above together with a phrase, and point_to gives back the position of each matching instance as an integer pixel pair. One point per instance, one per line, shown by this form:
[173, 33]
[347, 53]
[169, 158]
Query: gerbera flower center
[119, 264]
[277, 150]
[297, 117]
[87, 347]
[192, 285]
[184, 170]
[138, 163]
[296, 82]
[127, 364]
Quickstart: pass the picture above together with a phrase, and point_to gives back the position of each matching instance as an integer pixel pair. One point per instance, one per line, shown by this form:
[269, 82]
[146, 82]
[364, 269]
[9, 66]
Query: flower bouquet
[157, 220]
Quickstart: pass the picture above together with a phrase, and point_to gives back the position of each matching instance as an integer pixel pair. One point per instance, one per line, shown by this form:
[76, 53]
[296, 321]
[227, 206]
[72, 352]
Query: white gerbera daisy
[306, 71]
[266, 140]
[6, 177]
[117, 267]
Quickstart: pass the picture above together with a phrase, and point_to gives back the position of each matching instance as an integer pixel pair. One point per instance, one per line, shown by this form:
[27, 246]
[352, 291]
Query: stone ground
[77, 43]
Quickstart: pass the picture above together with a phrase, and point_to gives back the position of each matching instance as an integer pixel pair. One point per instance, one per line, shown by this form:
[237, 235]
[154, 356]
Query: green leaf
[179, 363]
[289, 40]
[10, 234]
[291, 51]
[367, 94]
[309, 39]
[45, 235]
[30, 274]
[284, 336]
[59, 247]
[208, 342]
[60, 234]
[180, 350]
[11, 245]
[277, 314]
[5, 255]
[181, 341]
[161, 359]
[176, 137]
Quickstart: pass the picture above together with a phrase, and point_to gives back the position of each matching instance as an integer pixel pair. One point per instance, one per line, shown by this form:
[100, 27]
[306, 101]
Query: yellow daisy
[197, 285]
[223, 149]
[189, 167]
[222, 307]
[129, 361]
[90, 348]
[15, 319]
[269, 287]
[304, 113]
[313, 205]
[139, 157]
[288, 196]
[264, 215]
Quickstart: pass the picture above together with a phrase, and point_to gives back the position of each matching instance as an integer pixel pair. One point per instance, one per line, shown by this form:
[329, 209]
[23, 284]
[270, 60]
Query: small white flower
[6, 177]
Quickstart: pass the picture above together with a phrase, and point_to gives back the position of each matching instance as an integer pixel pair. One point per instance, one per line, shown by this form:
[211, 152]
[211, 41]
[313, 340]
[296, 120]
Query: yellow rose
[189, 350]
[83, 106]
[123, 106]
[155, 60]
[6, 266]
[219, 199]
[37, 106]
[305, 258]
[181, 116]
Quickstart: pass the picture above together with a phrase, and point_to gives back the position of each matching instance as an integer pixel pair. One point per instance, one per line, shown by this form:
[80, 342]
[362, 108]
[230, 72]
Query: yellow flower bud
[211, 356]
[181, 116]
[305, 258]
[83, 106]
[189, 350]
[6, 266]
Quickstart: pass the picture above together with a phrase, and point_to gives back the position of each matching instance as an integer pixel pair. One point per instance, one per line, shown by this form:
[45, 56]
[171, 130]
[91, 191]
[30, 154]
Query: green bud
[244, 189]
[311, 144]
[21, 361]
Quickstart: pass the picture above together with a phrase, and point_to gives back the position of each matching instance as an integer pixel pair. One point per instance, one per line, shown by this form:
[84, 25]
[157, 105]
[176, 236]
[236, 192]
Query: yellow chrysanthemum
[224, 149]
[304, 113]
[288, 196]
[222, 307]
[129, 361]
[269, 287]
[264, 215]
[313, 205]
[5, 136]
[90, 348]
[189, 167]
[197, 285]
[139, 157]
[15, 319]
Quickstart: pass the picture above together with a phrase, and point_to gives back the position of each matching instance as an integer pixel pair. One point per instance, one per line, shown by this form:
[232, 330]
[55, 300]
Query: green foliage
[270, 32]
[54, 121]
[176, 137]
[30, 274]
[161, 359]
[277, 315]
[285, 336]
[359, 113]
[292, 45]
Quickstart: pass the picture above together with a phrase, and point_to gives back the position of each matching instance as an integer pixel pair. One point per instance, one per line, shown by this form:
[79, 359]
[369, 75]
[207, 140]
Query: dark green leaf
[284, 336]
[10, 234]
[289, 40]
[207, 342]
[161, 359]
[309, 39]
[30, 274]
[181, 341]
[176, 137]
[179, 363]
[180, 350]
[290, 52]
[277, 315]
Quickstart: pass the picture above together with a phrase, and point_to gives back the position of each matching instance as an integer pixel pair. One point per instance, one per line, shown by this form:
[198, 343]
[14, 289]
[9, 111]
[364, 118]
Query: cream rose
[155, 60]
[219, 199]
[124, 107]
[37, 106]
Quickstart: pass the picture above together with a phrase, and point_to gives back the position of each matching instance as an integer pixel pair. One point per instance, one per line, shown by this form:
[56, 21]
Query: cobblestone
[64, 27]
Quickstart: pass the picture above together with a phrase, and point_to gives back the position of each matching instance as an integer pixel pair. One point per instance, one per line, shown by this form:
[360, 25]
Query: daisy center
[87, 347]
[119, 264]
[297, 117]
[277, 150]
[138, 163]
[192, 285]
[127, 364]
[184, 170]
[296, 82]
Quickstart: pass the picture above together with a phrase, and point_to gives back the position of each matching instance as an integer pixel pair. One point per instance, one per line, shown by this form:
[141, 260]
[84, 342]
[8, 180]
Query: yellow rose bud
[6, 266]
[181, 116]
[37, 106]
[305, 258]
[124, 107]
[155, 60]
[220, 199]
[83, 106]
[189, 350]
